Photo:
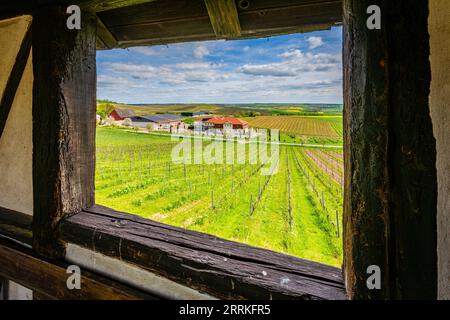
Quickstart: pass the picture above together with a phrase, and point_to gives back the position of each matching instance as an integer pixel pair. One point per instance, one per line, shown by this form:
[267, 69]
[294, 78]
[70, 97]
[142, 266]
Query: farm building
[224, 123]
[160, 122]
[397, 157]
[121, 114]
[195, 114]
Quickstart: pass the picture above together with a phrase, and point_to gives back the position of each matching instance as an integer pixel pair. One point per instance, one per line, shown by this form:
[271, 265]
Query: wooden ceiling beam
[105, 5]
[105, 39]
[224, 18]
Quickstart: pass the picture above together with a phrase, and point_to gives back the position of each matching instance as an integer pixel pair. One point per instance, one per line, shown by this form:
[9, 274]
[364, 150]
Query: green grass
[134, 173]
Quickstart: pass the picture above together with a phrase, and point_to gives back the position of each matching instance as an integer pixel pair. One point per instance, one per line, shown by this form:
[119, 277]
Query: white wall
[16, 184]
[439, 29]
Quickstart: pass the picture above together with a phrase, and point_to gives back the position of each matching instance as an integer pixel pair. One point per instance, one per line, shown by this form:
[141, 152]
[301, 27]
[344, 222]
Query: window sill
[221, 268]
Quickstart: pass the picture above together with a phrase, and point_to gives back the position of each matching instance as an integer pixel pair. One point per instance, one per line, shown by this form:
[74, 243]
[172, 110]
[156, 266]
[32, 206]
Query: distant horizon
[216, 103]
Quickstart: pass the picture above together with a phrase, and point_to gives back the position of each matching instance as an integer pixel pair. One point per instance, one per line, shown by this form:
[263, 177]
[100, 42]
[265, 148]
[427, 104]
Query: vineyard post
[337, 223]
[140, 164]
[149, 167]
[259, 189]
[129, 159]
[101, 170]
[323, 201]
[250, 207]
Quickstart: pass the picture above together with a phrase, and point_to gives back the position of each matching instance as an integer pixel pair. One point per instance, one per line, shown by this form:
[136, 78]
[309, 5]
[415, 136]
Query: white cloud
[178, 73]
[294, 62]
[200, 52]
[315, 42]
[148, 51]
[274, 69]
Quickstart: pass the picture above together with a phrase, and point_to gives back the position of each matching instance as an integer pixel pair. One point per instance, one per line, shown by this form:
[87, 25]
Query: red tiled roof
[222, 120]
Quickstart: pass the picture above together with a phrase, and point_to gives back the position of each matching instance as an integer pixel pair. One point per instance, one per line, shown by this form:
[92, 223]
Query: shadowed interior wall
[390, 204]
[16, 186]
[439, 29]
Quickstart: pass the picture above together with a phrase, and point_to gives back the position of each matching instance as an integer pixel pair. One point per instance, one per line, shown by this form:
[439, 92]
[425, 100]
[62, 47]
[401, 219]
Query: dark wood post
[390, 196]
[64, 104]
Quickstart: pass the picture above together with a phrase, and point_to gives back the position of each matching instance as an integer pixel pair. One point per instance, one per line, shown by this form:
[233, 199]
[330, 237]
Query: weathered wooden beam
[390, 173]
[107, 39]
[105, 5]
[259, 19]
[48, 279]
[162, 22]
[224, 18]
[222, 268]
[64, 106]
[16, 225]
[14, 79]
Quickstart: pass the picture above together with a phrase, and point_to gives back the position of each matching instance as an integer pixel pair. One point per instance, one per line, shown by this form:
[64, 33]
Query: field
[238, 110]
[296, 210]
[307, 126]
[305, 129]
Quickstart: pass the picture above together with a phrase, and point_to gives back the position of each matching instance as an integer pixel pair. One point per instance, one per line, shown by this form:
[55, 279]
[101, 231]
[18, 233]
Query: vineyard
[296, 210]
[305, 126]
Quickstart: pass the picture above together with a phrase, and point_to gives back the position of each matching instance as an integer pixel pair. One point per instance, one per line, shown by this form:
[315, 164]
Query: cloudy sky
[299, 68]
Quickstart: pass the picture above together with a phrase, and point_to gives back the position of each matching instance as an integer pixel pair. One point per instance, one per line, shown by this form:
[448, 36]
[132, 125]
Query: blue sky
[298, 68]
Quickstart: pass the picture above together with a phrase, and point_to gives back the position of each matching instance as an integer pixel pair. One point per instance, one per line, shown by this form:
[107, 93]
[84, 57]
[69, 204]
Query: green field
[294, 210]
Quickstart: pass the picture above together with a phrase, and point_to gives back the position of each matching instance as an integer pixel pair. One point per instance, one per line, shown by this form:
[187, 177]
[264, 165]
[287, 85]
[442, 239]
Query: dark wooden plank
[16, 225]
[104, 5]
[165, 32]
[107, 39]
[255, 5]
[14, 79]
[302, 15]
[9, 9]
[224, 18]
[181, 20]
[48, 279]
[158, 11]
[219, 267]
[390, 194]
[63, 122]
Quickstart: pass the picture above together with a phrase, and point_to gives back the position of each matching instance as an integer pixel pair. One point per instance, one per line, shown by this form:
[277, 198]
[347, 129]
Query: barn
[121, 114]
[159, 122]
[397, 156]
